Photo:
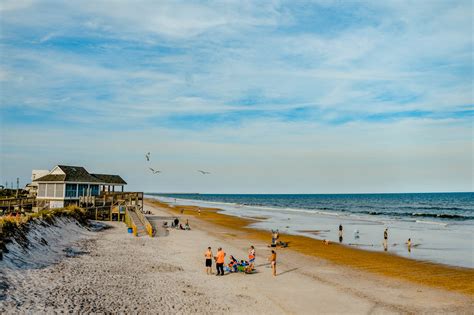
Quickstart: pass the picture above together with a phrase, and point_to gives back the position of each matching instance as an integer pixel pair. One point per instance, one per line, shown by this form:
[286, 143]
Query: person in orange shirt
[220, 261]
[208, 256]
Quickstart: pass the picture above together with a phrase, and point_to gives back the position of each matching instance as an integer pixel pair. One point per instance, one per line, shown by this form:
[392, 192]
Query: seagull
[204, 172]
[153, 171]
[147, 156]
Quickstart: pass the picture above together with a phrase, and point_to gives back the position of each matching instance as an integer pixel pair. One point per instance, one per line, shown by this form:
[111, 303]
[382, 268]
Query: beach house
[63, 185]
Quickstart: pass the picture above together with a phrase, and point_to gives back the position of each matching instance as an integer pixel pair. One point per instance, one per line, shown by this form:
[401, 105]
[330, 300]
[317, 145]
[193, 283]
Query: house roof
[51, 178]
[80, 174]
[110, 179]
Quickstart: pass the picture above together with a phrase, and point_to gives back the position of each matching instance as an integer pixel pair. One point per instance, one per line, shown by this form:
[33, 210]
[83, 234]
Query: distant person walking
[340, 233]
[273, 262]
[385, 239]
[208, 256]
[220, 258]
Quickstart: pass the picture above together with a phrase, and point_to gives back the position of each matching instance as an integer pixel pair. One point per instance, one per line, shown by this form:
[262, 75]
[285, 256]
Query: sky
[268, 96]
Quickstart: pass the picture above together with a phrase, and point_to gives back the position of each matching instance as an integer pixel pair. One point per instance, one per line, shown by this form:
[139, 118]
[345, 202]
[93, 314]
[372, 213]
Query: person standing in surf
[340, 233]
[385, 239]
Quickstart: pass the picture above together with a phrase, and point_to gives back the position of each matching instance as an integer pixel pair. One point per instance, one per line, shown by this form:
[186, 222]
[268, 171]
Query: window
[94, 190]
[49, 190]
[83, 190]
[41, 190]
[59, 191]
[71, 190]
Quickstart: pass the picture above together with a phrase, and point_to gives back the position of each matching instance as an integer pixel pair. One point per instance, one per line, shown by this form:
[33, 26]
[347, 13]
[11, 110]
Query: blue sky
[270, 96]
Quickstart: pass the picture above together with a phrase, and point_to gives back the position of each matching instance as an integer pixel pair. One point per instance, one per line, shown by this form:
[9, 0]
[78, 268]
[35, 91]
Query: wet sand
[425, 273]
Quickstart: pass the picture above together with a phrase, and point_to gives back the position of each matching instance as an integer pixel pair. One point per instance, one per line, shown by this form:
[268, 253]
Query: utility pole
[17, 185]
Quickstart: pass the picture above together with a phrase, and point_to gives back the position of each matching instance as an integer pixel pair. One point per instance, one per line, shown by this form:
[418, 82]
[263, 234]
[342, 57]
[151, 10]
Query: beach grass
[452, 278]
[16, 225]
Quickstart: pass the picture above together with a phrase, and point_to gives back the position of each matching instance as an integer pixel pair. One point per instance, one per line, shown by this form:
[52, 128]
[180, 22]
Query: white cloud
[137, 65]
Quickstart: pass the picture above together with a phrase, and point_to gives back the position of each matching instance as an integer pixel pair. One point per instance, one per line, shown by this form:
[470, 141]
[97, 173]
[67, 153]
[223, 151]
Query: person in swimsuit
[208, 256]
[273, 262]
[220, 262]
[251, 258]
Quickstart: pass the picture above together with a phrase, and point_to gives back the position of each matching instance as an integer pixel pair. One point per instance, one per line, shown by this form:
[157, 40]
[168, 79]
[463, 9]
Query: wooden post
[96, 213]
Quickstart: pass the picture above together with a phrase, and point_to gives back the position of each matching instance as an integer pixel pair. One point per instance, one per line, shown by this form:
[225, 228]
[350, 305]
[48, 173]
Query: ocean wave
[434, 208]
[332, 211]
[420, 214]
[431, 222]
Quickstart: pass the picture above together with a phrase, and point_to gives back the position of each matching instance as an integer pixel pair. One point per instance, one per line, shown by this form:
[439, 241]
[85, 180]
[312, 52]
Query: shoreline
[444, 241]
[452, 278]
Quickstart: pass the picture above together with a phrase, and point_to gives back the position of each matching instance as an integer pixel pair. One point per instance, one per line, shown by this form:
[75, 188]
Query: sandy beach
[121, 273]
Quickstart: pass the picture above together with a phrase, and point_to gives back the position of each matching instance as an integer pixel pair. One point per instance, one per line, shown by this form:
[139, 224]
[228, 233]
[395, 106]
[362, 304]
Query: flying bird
[147, 156]
[204, 172]
[154, 171]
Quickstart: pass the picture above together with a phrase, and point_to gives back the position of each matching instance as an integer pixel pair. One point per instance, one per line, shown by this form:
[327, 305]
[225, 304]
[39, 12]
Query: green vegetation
[11, 193]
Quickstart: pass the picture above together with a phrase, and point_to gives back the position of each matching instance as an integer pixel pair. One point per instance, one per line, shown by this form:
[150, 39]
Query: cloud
[206, 74]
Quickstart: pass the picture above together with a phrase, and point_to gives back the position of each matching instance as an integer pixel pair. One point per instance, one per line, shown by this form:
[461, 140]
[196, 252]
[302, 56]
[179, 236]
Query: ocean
[440, 225]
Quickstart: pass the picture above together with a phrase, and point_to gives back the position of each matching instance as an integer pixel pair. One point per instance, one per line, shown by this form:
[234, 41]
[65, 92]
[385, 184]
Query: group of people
[234, 265]
[179, 226]
[385, 238]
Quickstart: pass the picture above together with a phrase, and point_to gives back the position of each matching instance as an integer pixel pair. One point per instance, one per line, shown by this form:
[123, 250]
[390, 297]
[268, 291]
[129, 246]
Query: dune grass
[14, 226]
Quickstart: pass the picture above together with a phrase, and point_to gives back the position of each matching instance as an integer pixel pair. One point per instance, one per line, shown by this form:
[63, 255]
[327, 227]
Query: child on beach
[385, 239]
[251, 258]
[220, 261]
[208, 256]
[272, 259]
[233, 264]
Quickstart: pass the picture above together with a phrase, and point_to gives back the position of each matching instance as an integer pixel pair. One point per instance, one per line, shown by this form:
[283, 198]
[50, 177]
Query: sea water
[440, 225]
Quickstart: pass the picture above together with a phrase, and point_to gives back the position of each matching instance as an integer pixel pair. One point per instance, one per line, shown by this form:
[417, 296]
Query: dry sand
[124, 274]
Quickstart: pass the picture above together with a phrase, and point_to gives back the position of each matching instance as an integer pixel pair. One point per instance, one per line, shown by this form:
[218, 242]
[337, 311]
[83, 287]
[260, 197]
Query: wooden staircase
[141, 230]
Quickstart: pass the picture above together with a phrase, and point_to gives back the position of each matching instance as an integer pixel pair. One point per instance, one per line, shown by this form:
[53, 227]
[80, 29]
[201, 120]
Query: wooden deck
[9, 205]
[119, 206]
